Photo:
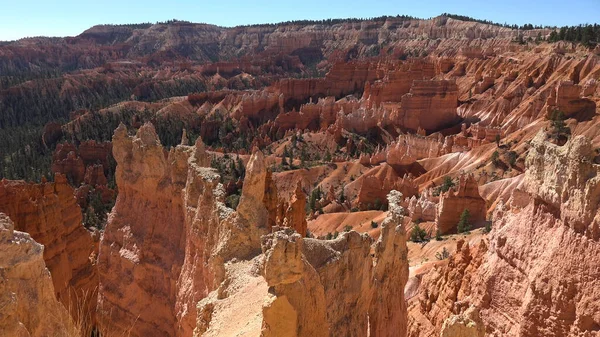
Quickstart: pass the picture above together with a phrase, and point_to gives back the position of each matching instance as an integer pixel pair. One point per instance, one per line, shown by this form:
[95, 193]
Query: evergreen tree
[464, 225]
[447, 184]
[285, 156]
[417, 234]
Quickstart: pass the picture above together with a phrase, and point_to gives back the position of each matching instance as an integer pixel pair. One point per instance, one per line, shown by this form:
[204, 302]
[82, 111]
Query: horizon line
[300, 21]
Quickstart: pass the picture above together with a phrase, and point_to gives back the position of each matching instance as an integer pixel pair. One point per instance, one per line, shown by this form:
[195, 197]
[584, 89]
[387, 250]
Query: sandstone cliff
[316, 287]
[49, 213]
[142, 248]
[29, 307]
[537, 274]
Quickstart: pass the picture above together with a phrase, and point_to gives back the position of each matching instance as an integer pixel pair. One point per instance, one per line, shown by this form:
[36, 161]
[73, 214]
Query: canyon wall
[538, 272]
[316, 287]
[49, 213]
[29, 307]
[172, 274]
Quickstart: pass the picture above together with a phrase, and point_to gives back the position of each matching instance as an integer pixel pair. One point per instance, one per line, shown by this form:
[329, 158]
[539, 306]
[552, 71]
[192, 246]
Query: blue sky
[22, 18]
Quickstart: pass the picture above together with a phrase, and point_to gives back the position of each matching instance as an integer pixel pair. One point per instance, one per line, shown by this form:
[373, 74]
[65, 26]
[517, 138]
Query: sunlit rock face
[543, 245]
[29, 307]
[49, 213]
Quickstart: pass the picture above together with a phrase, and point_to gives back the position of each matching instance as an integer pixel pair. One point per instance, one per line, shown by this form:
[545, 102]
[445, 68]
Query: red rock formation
[533, 279]
[445, 285]
[567, 98]
[430, 105]
[181, 262]
[295, 214]
[93, 152]
[50, 214]
[399, 81]
[67, 162]
[344, 78]
[423, 208]
[75, 162]
[454, 202]
[51, 134]
[341, 302]
[409, 148]
[94, 175]
[374, 185]
[140, 260]
[271, 201]
[29, 307]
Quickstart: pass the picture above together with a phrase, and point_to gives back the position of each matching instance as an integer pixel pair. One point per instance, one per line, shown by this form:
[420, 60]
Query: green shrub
[418, 234]
[232, 201]
[512, 158]
[488, 227]
[438, 235]
[495, 158]
[444, 254]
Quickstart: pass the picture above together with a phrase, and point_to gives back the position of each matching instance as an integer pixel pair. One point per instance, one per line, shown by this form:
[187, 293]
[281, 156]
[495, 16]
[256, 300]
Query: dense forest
[588, 35]
[526, 26]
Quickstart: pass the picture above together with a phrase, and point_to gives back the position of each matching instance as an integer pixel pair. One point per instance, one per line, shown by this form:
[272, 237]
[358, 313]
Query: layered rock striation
[537, 273]
[454, 202]
[49, 213]
[29, 306]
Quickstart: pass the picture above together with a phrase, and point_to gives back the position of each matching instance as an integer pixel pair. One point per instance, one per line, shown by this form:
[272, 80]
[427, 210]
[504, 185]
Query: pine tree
[327, 156]
[463, 224]
[314, 196]
[285, 156]
[303, 156]
[438, 235]
[447, 184]
[417, 234]
[495, 158]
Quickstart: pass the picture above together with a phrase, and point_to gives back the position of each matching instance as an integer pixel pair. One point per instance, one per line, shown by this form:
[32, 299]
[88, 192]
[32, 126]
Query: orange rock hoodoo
[454, 202]
[211, 246]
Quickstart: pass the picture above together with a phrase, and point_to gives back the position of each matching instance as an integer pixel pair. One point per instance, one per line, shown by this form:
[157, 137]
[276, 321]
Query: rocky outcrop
[272, 203]
[466, 324]
[371, 188]
[409, 148]
[390, 274]
[567, 179]
[532, 278]
[295, 214]
[351, 293]
[454, 202]
[49, 213]
[398, 81]
[423, 208]
[29, 307]
[441, 289]
[430, 105]
[74, 162]
[567, 99]
[70, 165]
[176, 260]
[290, 311]
[140, 260]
